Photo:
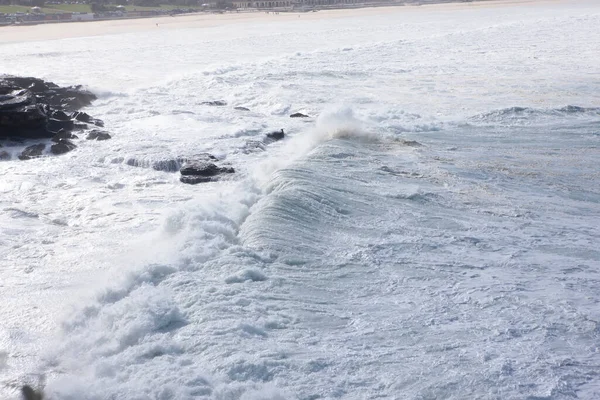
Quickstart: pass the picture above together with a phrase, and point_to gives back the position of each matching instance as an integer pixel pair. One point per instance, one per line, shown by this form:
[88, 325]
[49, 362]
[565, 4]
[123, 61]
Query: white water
[341, 262]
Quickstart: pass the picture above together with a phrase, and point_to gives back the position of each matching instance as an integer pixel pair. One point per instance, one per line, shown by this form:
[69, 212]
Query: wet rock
[33, 108]
[62, 134]
[218, 103]
[56, 125]
[81, 116]
[63, 146]
[195, 179]
[85, 117]
[32, 151]
[241, 108]
[4, 155]
[60, 115]
[299, 115]
[411, 143]
[277, 135]
[202, 171]
[96, 134]
[203, 168]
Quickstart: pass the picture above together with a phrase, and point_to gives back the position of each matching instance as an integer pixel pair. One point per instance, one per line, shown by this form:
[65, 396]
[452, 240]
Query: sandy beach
[12, 34]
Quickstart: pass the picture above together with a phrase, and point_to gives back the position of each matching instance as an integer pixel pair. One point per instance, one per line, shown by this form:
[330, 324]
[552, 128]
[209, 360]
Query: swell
[527, 115]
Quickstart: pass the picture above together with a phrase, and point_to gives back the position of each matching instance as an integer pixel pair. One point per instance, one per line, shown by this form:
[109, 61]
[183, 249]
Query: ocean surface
[431, 232]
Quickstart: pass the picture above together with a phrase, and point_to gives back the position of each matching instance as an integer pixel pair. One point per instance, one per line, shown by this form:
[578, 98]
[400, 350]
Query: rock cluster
[31, 108]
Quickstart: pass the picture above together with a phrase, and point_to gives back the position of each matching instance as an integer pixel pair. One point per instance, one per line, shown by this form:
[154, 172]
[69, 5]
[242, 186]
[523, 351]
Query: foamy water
[346, 261]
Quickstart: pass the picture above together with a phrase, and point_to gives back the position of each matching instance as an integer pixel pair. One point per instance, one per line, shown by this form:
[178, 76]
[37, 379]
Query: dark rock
[32, 151]
[195, 179]
[31, 394]
[202, 171]
[4, 155]
[203, 168]
[96, 134]
[56, 125]
[98, 122]
[79, 127]
[33, 108]
[84, 117]
[218, 103]
[299, 115]
[19, 113]
[62, 134]
[63, 146]
[81, 116]
[411, 143]
[277, 135]
[60, 115]
[241, 108]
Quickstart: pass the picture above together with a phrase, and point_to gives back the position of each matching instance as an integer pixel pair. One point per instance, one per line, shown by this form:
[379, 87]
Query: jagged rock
[56, 125]
[218, 103]
[33, 108]
[84, 117]
[19, 113]
[241, 108]
[70, 98]
[277, 135]
[63, 146]
[4, 155]
[32, 151]
[202, 171]
[203, 168]
[60, 115]
[81, 116]
[96, 134]
[299, 115]
[62, 134]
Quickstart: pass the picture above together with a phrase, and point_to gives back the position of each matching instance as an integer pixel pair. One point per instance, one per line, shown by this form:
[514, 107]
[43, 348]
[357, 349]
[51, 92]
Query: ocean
[432, 230]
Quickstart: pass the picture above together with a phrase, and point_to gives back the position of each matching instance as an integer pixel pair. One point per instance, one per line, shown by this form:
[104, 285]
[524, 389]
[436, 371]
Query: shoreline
[56, 30]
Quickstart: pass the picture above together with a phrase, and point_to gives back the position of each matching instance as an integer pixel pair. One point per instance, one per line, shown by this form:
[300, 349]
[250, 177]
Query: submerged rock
[218, 103]
[97, 134]
[299, 115]
[277, 135]
[33, 151]
[241, 108]
[63, 135]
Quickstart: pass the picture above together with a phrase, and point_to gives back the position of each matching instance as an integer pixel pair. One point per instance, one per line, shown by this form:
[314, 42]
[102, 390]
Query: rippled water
[431, 232]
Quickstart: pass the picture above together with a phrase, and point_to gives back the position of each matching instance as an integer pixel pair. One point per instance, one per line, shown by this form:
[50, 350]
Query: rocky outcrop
[202, 171]
[31, 108]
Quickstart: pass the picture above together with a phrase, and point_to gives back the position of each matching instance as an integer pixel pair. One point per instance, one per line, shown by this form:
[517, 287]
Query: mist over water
[430, 232]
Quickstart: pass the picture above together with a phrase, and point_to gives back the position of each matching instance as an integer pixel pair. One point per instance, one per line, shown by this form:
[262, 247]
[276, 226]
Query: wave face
[430, 231]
